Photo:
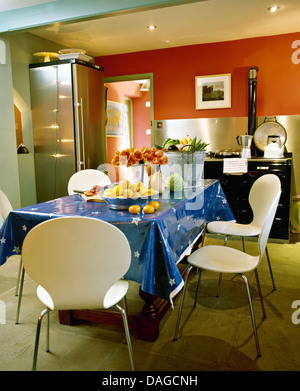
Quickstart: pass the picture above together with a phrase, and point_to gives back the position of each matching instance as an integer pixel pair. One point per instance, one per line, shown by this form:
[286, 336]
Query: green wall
[15, 88]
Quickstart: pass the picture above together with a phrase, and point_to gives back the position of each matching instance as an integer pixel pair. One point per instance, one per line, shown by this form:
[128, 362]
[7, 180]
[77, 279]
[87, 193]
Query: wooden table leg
[145, 324]
[151, 314]
[149, 318]
[65, 317]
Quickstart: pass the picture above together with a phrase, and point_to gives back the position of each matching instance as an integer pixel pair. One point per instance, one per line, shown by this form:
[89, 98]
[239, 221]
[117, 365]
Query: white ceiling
[188, 24]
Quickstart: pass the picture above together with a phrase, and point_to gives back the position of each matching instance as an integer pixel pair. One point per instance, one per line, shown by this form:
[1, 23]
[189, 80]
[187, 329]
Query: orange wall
[174, 71]
[141, 121]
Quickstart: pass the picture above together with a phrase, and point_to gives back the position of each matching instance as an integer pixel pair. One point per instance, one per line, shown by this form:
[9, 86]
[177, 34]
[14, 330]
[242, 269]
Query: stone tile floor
[214, 336]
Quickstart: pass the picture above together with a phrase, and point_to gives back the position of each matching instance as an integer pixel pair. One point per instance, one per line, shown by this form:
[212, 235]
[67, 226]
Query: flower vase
[138, 173]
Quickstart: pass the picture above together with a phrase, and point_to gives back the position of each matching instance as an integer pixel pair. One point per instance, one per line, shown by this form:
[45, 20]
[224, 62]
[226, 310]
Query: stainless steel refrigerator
[68, 114]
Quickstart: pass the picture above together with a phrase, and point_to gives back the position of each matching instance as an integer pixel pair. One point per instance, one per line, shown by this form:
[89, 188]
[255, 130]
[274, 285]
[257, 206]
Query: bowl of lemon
[125, 194]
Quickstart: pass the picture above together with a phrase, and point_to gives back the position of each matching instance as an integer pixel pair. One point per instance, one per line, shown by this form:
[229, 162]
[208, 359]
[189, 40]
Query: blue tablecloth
[158, 241]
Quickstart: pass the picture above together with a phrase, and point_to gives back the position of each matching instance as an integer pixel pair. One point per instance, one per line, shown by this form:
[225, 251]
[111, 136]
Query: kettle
[274, 147]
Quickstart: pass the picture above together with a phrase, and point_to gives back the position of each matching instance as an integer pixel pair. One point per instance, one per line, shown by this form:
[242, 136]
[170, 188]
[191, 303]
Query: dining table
[159, 242]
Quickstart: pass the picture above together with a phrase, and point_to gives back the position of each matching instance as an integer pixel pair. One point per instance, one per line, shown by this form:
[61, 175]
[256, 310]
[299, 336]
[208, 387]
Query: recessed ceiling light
[274, 8]
[151, 27]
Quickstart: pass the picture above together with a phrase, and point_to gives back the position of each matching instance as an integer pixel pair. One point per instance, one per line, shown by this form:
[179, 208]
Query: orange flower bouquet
[133, 156]
[136, 159]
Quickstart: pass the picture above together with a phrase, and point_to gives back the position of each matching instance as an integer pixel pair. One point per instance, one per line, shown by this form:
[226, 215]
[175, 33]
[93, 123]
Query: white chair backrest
[264, 235]
[5, 206]
[76, 260]
[262, 195]
[86, 179]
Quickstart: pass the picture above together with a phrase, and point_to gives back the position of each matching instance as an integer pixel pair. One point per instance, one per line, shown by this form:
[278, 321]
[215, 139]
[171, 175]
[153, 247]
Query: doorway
[135, 94]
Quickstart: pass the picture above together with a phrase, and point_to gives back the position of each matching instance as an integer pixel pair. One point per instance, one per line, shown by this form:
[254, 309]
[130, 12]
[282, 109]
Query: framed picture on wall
[213, 91]
[115, 119]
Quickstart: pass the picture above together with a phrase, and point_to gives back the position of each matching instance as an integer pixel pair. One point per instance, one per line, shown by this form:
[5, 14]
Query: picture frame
[213, 91]
[114, 119]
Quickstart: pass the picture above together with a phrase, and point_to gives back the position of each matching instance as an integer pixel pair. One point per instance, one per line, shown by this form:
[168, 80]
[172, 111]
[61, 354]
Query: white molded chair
[86, 179]
[222, 259]
[78, 263]
[81, 180]
[261, 196]
[5, 209]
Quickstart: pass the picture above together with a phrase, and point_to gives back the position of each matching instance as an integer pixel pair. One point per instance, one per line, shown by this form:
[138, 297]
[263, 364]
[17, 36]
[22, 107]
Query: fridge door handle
[80, 137]
[82, 162]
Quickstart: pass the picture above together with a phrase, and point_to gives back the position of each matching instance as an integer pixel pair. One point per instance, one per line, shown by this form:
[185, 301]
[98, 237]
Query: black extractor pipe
[252, 80]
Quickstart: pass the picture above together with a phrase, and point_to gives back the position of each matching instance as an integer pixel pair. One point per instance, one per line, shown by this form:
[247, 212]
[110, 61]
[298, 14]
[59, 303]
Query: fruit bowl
[123, 203]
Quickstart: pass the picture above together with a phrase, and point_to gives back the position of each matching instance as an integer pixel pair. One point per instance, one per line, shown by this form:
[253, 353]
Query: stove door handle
[263, 167]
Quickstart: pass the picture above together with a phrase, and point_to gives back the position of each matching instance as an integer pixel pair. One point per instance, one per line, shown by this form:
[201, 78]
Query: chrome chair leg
[20, 295]
[37, 338]
[181, 302]
[219, 285]
[48, 332]
[197, 288]
[18, 278]
[220, 275]
[271, 272]
[125, 305]
[252, 315]
[243, 243]
[127, 334]
[199, 271]
[260, 294]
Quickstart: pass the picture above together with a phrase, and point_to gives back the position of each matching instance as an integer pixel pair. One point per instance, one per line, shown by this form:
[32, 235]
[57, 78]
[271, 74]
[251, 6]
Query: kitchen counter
[286, 159]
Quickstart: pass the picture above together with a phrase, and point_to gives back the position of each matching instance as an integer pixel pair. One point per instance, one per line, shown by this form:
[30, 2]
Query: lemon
[148, 209]
[118, 190]
[155, 204]
[128, 193]
[125, 184]
[108, 193]
[134, 209]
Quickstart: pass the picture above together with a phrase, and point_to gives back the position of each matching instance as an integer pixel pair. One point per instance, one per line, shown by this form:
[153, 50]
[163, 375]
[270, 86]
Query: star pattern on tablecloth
[137, 254]
[16, 250]
[172, 281]
[24, 228]
[2, 240]
[135, 220]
